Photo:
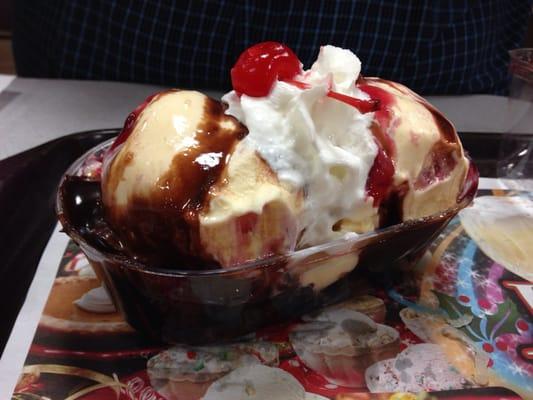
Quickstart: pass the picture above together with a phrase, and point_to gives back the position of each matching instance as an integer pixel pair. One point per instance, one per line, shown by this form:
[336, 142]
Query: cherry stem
[298, 84]
[364, 106]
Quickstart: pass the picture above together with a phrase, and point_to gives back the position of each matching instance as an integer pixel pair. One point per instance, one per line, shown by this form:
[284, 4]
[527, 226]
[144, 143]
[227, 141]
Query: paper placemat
[467, 334]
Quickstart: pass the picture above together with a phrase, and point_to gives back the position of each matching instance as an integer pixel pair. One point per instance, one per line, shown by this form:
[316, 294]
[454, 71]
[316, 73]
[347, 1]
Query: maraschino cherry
[261, 65]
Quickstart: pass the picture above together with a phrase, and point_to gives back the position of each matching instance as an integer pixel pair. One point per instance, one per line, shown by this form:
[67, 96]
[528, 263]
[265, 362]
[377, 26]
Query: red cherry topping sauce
[379, 179]
[438, 164]
[298, 84]
[130, 122]
[364, 106]
[386, 100]
[259, 66]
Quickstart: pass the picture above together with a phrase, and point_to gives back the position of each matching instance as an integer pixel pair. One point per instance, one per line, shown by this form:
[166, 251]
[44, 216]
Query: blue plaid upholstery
[433, 46]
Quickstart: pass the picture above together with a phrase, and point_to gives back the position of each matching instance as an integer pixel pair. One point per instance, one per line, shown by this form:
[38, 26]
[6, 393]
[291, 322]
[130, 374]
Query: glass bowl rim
[344, 242]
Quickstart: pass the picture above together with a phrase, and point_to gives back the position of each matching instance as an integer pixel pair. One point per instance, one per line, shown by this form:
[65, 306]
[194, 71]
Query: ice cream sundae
[289, 159]
[277, 191]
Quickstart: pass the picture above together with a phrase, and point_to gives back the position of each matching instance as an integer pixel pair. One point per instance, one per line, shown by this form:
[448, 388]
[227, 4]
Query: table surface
[35, 111]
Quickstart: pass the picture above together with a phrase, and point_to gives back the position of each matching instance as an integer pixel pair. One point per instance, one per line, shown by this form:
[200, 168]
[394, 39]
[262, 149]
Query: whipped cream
[97, 301]
[315, 144]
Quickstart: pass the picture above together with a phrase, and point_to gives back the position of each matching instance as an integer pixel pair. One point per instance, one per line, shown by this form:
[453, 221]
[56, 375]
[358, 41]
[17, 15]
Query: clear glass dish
[195, 307]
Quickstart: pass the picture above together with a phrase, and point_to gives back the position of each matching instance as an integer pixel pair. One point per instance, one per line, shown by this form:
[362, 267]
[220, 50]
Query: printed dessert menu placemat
[459, 326]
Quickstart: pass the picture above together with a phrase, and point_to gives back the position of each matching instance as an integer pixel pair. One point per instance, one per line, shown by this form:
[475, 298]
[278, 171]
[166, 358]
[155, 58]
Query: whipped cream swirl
[314, 143]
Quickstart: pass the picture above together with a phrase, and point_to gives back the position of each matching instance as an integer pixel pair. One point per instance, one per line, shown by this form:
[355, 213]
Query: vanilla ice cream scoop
[179, 190]
[429, 162]
[157, 178]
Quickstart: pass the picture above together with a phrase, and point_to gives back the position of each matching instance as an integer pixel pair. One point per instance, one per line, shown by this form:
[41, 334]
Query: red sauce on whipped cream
[379, 179]
[261, 65]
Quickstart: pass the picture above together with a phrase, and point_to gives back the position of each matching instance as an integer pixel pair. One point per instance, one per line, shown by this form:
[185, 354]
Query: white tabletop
[5, 80]
[34, 111]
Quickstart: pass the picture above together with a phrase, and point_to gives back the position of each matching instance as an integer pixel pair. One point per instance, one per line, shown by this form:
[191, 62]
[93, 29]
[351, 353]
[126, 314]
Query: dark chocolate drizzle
[162, 227]
[391, 209]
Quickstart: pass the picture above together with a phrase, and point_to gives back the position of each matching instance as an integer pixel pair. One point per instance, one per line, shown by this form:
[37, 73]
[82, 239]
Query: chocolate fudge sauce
[160, 228]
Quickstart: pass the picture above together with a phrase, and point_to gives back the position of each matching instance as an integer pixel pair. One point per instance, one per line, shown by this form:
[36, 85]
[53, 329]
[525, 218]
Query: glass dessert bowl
[203, 306]
[208, 219]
